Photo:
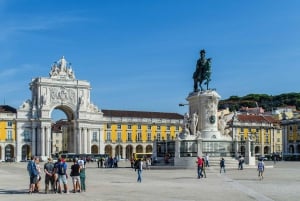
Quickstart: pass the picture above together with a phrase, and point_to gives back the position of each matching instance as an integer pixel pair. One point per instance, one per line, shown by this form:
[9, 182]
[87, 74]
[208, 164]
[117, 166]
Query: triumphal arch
[61, 90]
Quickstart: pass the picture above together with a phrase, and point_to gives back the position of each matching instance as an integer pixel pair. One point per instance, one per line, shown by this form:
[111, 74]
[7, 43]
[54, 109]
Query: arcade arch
[63, 92]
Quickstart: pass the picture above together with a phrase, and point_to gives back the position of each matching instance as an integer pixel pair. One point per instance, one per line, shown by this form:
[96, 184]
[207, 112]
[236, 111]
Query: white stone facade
[59, 91]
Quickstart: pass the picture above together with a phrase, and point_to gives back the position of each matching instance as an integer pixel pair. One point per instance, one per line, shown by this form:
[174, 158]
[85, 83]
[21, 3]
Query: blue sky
[140, 55]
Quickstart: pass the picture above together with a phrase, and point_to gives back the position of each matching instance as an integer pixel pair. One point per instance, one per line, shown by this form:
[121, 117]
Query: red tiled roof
[141, 114]
[256, 118]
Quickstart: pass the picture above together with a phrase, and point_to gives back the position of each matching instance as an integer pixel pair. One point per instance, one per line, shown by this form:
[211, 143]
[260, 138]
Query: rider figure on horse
[202, 72]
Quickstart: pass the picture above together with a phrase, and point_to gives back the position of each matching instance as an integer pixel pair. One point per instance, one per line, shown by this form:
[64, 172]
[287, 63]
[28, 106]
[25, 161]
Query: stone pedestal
[204, 104]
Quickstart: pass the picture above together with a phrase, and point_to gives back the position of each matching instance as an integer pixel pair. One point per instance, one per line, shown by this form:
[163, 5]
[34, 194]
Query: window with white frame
[9, 123]
[108, 136]
[26, 135]
[168, 136]
[129, 137]
[94, 137]
[148, 136]
[9, 134]
[129, 126]
[158, 136]
[139, 137]
[119, 136]
[119, 126]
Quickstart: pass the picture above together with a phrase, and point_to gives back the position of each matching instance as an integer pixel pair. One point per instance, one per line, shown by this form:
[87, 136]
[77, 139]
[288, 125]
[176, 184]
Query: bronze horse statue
[203, 72]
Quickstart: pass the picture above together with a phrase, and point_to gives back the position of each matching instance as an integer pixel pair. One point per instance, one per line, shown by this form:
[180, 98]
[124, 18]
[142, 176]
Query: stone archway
[266, 150]
[94, 149]
[59, 91]
[26, 152]
[119, 151]
[149, 149]
[291, 149]
[257, 150]
[9, 153]
[129, 151]
[108, 150]
[139, 149]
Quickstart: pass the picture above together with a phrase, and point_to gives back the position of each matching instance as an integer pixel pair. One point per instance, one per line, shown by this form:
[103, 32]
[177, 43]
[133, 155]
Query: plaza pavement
[281, 183]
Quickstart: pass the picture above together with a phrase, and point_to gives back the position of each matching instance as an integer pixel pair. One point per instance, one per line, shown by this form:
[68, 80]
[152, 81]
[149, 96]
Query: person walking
[203, 168]
[261, 169]
[199, 166]
[241, 162]
[139, 169]
[222, 165]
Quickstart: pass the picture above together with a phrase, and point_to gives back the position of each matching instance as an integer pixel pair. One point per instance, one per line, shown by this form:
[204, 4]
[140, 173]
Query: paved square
[280, 183]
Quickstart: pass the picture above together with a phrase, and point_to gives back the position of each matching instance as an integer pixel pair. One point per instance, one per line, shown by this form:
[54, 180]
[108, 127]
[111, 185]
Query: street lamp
[182, 104]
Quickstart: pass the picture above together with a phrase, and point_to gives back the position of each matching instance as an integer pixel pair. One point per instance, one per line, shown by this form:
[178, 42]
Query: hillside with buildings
[267, 102]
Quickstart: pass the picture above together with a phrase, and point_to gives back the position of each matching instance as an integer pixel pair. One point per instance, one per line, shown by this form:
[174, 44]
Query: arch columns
[88, 141]
[48, 141]
[3, 152]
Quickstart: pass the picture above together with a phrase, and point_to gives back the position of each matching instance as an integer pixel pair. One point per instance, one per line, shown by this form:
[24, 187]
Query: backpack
[61, 169]
[29, 167]
[137, 165]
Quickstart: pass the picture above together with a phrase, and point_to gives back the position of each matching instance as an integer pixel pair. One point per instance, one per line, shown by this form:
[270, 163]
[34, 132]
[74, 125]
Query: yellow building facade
[128, 132]
[7, 133]
[291, 138]
[264, 132]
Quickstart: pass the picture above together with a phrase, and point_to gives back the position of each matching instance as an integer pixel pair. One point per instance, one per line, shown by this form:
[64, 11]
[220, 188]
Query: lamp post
[182, 104]
[119, 147]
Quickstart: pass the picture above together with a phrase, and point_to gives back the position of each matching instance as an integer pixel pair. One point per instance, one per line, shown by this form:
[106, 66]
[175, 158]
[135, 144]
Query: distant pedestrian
[199, 166]
[139, 168]
[206, 160]
[203, 168]
[222, 165]
[261, 169]
[241, 162]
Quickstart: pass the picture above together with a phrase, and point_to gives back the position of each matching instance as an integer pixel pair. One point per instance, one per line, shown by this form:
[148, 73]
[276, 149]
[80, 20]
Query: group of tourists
[56, 175]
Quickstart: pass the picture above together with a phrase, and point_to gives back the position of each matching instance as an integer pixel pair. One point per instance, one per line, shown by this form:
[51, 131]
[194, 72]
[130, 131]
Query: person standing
[199, 166]
[206, 160]
[261, 169]
[62, 175]
[82, 175]
[222, 165]
[33, 173]
[39, 178]
[49, 175]
[75, 174]
[139, 170]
